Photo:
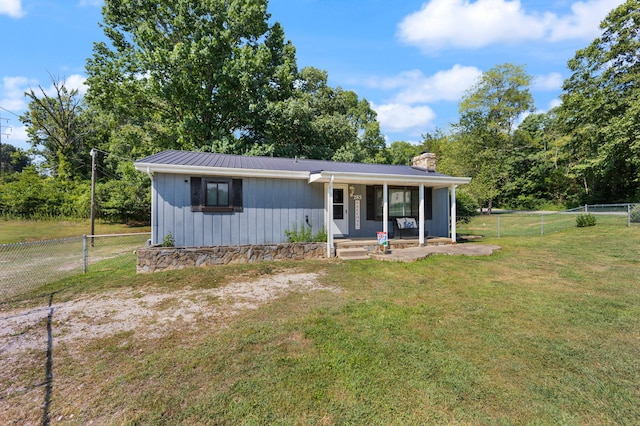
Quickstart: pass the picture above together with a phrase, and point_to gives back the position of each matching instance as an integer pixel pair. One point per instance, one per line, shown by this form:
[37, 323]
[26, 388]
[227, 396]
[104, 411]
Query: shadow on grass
[48, 366]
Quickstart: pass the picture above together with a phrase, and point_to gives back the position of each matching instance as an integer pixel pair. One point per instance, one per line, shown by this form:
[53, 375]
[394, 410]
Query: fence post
[586, 208]
[84, 253]
[498, 226]
[541, 224]
[628, 215]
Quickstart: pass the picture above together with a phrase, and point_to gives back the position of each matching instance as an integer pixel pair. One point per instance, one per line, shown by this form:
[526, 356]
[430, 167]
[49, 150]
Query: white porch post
[453, 213]
[154, 208]
[421, 216]
[329, 217]
[385, 208]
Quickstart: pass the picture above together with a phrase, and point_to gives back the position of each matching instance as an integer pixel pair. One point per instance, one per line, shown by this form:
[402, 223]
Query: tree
[540, 167]
[13, 159]
[401, 152]
[318, 121]
[215, 75]
[57, 127]
[488, 113]
[601, 112]
[202, 72]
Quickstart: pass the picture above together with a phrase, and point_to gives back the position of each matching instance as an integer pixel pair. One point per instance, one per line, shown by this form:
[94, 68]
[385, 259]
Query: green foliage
[304, 234]
[12, 159]
[402, 153]
[168, 240]
[321, 122]
[199, 73]
[127, 198]
[219, 76]
[600, 109]
[466, 207]
[635, 214]
[57, 127]
[31, 196]
[488, 113]
[585, 220]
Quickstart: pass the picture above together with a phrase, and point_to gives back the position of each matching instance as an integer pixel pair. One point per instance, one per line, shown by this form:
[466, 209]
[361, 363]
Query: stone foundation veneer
[155, 258]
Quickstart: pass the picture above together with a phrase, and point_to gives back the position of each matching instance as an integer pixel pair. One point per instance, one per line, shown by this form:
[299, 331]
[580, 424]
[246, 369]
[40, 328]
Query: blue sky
[412, 60]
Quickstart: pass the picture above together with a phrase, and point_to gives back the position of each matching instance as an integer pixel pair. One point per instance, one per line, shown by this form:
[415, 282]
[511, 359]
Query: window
[400, 202]
[216, 194]
[403, 202]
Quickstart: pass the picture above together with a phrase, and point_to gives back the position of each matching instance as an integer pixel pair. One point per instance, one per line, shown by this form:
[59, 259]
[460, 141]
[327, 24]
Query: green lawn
[15, 231]
[546, 331]
[531, 224]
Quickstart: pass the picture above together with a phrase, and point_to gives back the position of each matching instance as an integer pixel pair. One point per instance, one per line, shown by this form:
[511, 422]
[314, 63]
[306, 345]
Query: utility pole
[93, 193]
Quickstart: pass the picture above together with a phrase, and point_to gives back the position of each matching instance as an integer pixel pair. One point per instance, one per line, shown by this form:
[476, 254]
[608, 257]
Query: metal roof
[240, 162]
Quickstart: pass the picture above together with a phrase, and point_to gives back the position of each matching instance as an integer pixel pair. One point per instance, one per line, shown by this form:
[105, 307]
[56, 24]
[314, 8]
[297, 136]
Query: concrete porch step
[354, 253]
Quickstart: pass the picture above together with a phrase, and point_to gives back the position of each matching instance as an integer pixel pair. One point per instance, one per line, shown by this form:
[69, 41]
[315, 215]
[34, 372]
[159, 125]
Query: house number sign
[357, 199]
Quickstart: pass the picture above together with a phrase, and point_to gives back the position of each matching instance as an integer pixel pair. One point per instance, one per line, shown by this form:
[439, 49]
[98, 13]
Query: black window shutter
[371, 202]
[236, 186]
[196, 193]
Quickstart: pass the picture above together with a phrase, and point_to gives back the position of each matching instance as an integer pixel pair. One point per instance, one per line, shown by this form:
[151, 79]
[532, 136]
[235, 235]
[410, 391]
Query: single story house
[209, 199]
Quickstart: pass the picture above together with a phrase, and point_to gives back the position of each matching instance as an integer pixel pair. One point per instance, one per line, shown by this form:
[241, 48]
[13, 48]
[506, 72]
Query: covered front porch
[362, 206]
[374, 200]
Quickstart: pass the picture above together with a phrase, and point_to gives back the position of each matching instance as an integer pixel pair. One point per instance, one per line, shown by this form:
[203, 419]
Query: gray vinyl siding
[270, 206]
[439, 226]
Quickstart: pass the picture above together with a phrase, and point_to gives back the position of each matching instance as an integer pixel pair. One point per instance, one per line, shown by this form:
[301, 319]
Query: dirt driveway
[27, 335]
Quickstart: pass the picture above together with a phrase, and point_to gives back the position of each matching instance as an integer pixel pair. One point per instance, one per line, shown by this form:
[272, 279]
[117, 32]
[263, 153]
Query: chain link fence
[26, 266]
[510, 223]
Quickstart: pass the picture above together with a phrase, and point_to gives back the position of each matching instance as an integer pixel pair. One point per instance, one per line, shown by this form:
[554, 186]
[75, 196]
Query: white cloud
[584, 21]
[14, 100]
[17, 136]
[554, 103]
[551, 81]
[13, 89]
[462, 23]
[12, 8]
[402, 117]
[471, 24]
[415, 87]
[76, 81]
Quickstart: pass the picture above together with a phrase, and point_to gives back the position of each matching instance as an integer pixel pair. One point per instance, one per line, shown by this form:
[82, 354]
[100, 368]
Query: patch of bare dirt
[146, 314]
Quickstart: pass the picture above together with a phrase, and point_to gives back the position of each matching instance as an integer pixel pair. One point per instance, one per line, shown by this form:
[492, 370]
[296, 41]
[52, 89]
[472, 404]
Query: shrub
[585, 219]
[169, 241]
[466, 207]
[635, 214]
[305, 234]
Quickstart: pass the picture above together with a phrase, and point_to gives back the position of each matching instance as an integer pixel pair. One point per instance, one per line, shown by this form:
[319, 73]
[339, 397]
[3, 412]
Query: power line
[10, 112]
[2, 133]
[113, 155]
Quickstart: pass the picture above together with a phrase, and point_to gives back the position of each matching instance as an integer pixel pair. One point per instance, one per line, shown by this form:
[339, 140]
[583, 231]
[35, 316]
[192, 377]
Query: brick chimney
[426, 160]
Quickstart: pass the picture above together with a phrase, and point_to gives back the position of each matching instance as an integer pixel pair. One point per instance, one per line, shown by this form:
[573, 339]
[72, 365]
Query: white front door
[340, 225]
